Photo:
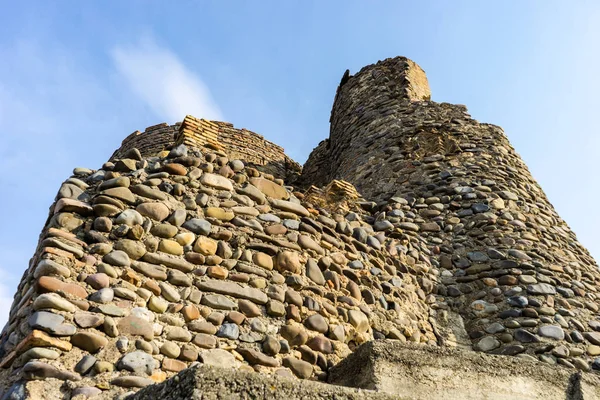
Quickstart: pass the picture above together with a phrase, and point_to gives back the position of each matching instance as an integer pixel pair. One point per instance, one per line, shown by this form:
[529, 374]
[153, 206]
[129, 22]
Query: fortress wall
[242, 144]
[149, 265]
[152, 141]
[317, 168]
[506, 263]
[222, 136]
[254, 149]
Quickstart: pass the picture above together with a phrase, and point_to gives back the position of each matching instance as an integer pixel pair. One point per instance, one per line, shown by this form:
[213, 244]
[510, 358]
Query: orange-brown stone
[175, 169]
[190, 313]
[50, 284]
[172, 365]
[35, 339]
[217, 272]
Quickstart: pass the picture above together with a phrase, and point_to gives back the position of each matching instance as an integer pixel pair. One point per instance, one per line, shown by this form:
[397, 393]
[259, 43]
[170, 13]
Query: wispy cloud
[60, 109]
[163, 82]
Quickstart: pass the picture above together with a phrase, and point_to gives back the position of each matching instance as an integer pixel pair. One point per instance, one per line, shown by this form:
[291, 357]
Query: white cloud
[161, 80]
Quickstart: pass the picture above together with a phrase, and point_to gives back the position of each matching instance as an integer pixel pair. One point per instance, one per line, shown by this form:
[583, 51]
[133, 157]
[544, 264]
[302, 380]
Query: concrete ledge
[208, 383]
[422, 372]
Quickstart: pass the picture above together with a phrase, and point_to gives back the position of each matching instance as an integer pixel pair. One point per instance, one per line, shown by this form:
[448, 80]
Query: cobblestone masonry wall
[163, 259]
[503, 257]
[153, 140]
[241, 144]
[151, 264]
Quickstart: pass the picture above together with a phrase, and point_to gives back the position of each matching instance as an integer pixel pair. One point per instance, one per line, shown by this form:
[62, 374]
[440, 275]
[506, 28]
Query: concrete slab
[424, 372]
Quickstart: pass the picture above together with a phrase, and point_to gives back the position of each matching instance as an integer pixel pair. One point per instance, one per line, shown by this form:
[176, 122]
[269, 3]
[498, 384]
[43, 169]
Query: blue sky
[77, 77]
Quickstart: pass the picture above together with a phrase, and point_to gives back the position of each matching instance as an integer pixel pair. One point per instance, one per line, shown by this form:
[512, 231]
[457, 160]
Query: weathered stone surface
[138, 362]
[51, 323]
[358, 320]
[300, 368]
[121, 193]
[291, 207]
[234, 290]
[118, 258]
[41, 370]
[132, 325]
[216, 181]
[171, 262]
[255, 357]
[50, 284]
[155, 211]
[288, 261]
[133, 248]
[205, 246]
[198, 226]
[129, 217]
[218, 302]
[89, 341]
[49, 267]
[131, 381]
[218, 358]
[53, 301]
[269, 188]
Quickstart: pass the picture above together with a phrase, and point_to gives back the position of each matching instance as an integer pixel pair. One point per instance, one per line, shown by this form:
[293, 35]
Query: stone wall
[504, 259]
[150, 265]
[241, 144]
[364, 115]
[153, 140]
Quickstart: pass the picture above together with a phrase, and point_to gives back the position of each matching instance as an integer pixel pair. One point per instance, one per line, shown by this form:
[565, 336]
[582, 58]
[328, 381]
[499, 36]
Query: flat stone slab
[203, 382]
[425, 372]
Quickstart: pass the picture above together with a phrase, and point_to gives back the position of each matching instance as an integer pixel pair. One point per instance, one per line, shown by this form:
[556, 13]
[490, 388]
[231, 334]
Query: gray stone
[488, 343]
[85, 364]
[229, 331]
[218, 358]
[53, 301]
[103, 296]
[198, 226]
[131, 381]
[233, 289]
[541, 288]
[218, 301]
[178, 151]
[290, 207]
[552, 332]
[138, 362]
[52, 323]
[316, 322]
[383, 225]
[313, 272]
[41, 370]
[38, 353]
[117, 258]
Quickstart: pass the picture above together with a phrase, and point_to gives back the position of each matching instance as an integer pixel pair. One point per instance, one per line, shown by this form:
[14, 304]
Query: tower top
[398, 76]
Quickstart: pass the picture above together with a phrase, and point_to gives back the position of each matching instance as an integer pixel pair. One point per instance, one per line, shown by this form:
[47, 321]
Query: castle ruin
[413, 255]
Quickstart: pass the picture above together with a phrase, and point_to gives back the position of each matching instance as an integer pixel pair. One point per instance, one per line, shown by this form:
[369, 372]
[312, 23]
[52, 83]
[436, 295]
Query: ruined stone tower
[413, 241]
